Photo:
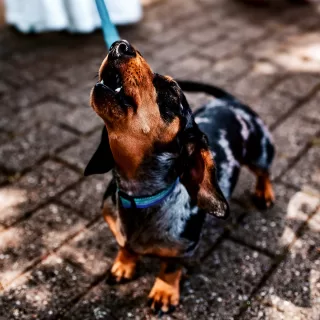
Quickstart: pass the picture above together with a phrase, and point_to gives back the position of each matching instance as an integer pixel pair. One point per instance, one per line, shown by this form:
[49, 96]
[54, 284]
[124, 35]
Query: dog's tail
[193, 86]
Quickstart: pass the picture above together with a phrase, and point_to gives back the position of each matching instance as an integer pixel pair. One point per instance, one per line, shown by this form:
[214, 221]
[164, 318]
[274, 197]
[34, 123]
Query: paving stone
[208, 35]
[214, 228]
[83, 120]
[80, 154]
[305, 45]
[293, 291]
[306, 173]
[172, 34]
[310, 109]
[225, 280]
[224, 72]
[165, 37]
[33, 66]
[33, 189]
[86, 197]
[272, 106]
[290, 137]
[26, 150]
[79, 74]
[275, 229]
[24, 244]
[92, 250]
[229, 69]
[223, 48]
[22, 98]
[45, 292]
[175, 51]
[44, 95]
[224, 283]
[4, 87]
[298, 85]
[115, 302]
[48, 111]
[254, 84]
[79, 95]
[4, 137]
[188, 67]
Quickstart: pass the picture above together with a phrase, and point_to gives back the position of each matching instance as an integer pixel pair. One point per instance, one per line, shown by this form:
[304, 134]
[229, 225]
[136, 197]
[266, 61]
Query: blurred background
[55, 248]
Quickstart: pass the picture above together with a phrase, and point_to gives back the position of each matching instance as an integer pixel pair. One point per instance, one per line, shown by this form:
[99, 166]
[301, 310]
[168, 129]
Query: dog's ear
[102, 160]
[199, 172]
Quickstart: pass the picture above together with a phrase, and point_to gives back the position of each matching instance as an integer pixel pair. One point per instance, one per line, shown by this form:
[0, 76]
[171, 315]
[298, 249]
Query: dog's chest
[157, 230]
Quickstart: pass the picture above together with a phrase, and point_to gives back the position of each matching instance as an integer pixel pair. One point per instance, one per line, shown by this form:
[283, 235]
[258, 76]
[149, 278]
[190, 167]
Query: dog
[170, 167]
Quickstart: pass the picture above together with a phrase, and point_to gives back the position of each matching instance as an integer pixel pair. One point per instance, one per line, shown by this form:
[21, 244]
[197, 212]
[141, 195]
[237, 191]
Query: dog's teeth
[102, 81]
[118, 89]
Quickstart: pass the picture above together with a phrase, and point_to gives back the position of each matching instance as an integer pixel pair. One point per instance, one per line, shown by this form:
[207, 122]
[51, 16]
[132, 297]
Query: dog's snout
[122, 49]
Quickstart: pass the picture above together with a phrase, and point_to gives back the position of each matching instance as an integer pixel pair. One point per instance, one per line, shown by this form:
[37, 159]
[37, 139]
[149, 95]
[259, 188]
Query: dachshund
[170, 167]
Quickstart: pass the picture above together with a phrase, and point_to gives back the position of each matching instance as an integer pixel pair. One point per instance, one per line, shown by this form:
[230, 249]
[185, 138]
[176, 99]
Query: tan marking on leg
[124, 265]
[114, 226]
[166, 289]
[264, 190]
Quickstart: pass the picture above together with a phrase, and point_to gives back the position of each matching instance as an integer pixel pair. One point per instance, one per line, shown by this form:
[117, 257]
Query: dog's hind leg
[165, 293]
[263, 196]
[124, 267]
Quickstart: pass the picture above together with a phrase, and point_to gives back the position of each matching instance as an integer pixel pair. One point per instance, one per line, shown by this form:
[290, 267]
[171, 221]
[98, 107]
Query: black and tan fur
[150, 139]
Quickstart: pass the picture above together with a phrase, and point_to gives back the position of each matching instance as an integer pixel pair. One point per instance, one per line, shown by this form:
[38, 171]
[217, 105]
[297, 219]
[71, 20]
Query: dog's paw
[263, 200]
[164, 297]
[120, 273]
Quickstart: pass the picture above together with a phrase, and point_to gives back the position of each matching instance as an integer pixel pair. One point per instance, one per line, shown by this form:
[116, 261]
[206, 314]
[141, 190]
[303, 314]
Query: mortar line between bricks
[295, 159]
[227, 235]
[289, 185]
[278, 260]
[76, 299]
[187, 17]
[36, 124]
[265, 36]
[59, 100]
[62, 161]
[299, 104]
[175, 38]
[311, 120]
[102, 277]
[28, 106]
[55, 250]
[267, 253]
[27, 214]
[80, 134]
[222, 237]
[53, 74]
[48, 156]
[292, 162]
[169, 62]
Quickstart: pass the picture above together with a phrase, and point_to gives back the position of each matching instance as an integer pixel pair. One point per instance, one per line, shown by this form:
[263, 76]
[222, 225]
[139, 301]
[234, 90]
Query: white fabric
[72, 15]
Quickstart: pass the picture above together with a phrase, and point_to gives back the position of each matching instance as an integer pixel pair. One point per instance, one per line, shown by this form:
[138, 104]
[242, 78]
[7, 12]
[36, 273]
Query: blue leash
[110, 33]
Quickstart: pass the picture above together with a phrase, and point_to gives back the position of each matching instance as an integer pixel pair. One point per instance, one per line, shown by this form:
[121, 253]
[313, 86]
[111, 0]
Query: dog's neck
[156, 173]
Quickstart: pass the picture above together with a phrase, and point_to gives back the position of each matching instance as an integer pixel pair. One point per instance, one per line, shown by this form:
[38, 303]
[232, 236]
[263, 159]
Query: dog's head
[144, 111]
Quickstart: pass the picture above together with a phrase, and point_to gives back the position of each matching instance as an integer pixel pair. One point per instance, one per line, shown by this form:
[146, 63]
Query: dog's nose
[122, 49]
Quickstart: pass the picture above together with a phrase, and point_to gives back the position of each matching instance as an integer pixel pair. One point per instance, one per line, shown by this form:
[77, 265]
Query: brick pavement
[55, 248]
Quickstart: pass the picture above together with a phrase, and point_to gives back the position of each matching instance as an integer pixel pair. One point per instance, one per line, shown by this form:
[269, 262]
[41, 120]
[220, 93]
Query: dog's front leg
[124, 266]
[165, 294]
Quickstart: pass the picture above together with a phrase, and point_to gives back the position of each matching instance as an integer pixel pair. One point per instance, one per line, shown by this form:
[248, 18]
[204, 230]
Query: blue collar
[145, 202]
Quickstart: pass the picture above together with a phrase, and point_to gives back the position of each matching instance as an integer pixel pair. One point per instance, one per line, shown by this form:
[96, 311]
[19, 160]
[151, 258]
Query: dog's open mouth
[112, 81]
